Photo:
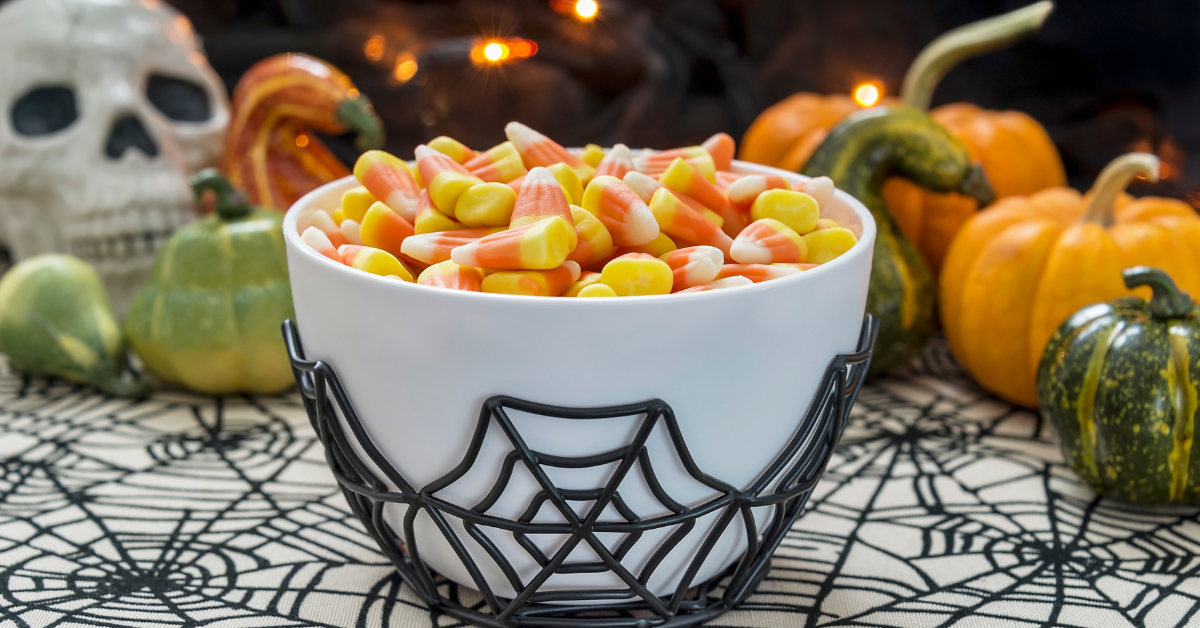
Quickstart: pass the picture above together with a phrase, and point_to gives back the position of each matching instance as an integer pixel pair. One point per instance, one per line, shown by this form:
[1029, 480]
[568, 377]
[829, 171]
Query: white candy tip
[424, 151]
[642, 228]
[539, 176]
[317, 239]
[642, 184]
[519, 134]
[821, 189]
[462, 255]
[730, 282]
[746, 251]
[574, 268]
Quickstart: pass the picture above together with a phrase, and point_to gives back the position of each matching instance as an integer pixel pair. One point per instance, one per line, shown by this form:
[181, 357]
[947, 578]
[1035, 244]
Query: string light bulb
[405, 68]
[374, 48]
[497, 51]
[868, 94]
[586, 9]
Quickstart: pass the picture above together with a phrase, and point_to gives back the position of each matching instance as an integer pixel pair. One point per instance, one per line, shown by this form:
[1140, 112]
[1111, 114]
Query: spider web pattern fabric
[942, 507]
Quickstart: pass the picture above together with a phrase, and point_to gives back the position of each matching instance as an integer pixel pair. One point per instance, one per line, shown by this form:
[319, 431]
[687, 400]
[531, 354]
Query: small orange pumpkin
[1016, 152]
[1020, 268]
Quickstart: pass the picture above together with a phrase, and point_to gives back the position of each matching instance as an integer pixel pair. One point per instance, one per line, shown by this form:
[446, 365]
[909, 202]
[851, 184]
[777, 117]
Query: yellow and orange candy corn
[726, 179]
[538, 150]
[655, 164]
[797, 210]
[374, 261]
[434, 248]
[568, 181]
[586, 278]
[355, 203]
[617, 162]
[657, 247]
[533, 283]
[486, 205]
[768, 241]
[452, 148]
[321, 220]
[597, 290]
[646, 187]
[622, 211]
[821, 189]
[389, 179]
[430, 220]
[728, 282]
[679, 221]
[320, 243]
[722, 148]
[444, 178]
[593, 242]
[827, 244]
[447, 274]
[542, 245]
[743, 191]
[682, 177]
[637, 274]
[756, 272]
[498, 164]
[694, 266]
[592, 155]
[384, 229]
[542, 197]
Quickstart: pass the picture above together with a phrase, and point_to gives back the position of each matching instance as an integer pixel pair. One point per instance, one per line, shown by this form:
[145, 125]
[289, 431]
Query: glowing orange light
[496, 51]
[374, 48]
[586, 9]
[523, 48]
[352, 93]
[302, 140]
[406, 67]
[867, 94]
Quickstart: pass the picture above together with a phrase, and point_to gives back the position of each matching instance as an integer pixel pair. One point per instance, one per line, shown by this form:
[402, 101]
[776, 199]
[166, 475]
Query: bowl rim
[862, 247]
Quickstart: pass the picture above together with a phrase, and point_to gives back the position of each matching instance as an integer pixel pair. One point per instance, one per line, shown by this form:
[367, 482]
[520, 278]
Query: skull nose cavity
[126, 133]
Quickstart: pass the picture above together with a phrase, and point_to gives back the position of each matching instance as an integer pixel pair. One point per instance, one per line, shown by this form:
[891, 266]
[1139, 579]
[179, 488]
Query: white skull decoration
[108, 106]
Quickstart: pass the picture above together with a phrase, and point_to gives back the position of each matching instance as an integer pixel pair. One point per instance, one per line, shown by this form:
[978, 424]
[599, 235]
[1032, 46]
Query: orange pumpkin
[1020, 268]
[270, 150]
[1014, 150]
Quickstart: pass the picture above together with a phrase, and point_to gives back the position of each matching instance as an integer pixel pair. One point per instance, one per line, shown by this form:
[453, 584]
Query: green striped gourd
[1119, 382]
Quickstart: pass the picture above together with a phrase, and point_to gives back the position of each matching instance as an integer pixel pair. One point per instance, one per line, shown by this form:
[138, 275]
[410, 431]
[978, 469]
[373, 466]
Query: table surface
[942, 507]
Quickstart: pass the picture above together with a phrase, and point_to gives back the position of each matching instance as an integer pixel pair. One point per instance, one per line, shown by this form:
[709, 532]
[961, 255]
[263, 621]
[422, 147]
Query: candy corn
[721, 147]
[678, 220]
[384, 229]
[389, 179]
[657, 247]
[498, 164]
[320, 219]
[637, 274]
[618, 161]
[451, 148]
[533, 283]
[586, 278]
[682, 177]
[826, 223]
[622, 211]
[694, 266]
[542, 245]
[430, 220]
[728, 282]
[797, 210]
[434, 248]
[646, 187]
[592, 155]
[486, 205]
[756, 272]
[827, 244]
[444, 179]
[820, 189]
[593, 240]
[320, 243]
[351, 230]
[348, 251]
[538, 150]
[655, 164]
[516, 183]
[743, 191]
[447, 274]
[377, 262]
[597, 290]
[726, 179]
[355, 203]
[568, 181]
[768, 241]
[542, 197]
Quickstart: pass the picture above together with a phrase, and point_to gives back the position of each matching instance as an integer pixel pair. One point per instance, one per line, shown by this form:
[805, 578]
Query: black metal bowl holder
[784, 486]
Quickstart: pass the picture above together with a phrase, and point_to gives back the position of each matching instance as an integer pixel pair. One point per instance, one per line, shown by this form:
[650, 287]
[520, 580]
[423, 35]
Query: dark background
[1105, 76]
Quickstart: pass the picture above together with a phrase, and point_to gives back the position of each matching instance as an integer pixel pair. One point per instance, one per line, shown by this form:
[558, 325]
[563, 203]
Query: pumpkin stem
[1168, 300]
[966, 42]
[358, 115]
[231, 203]
[1112, 182]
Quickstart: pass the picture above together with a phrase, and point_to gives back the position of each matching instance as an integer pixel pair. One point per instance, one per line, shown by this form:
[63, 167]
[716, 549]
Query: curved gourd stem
[1168, 300]
[231, 203]
[965, 42]
[359, 116]
[1112, 182]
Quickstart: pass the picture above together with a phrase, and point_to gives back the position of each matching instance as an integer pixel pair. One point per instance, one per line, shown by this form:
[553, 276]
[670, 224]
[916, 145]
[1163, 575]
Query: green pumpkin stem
[231, 203]
[358, 115]
[1112, 182]
[966, 42]
[1168, 300]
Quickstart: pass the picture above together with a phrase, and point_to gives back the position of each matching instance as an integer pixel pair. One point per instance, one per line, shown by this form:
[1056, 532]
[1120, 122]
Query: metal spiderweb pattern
[784, 488]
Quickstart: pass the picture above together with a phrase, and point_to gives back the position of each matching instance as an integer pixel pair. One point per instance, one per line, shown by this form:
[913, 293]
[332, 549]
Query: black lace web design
[783, 488]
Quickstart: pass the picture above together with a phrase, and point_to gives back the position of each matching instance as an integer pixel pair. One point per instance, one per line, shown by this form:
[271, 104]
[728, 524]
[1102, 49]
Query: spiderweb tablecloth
[942, 507]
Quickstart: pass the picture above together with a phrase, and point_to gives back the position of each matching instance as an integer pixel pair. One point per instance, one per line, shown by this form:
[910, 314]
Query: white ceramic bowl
[738, 366]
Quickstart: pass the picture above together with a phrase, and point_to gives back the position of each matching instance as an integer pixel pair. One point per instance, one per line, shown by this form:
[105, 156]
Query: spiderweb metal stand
[784, 487]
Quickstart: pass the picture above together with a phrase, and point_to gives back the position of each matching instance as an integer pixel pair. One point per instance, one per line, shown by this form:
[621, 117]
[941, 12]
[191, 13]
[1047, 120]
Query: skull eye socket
[178, 99]
[44, 110]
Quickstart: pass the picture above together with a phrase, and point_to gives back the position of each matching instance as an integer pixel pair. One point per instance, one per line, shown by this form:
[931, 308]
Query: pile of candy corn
[527, 217]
